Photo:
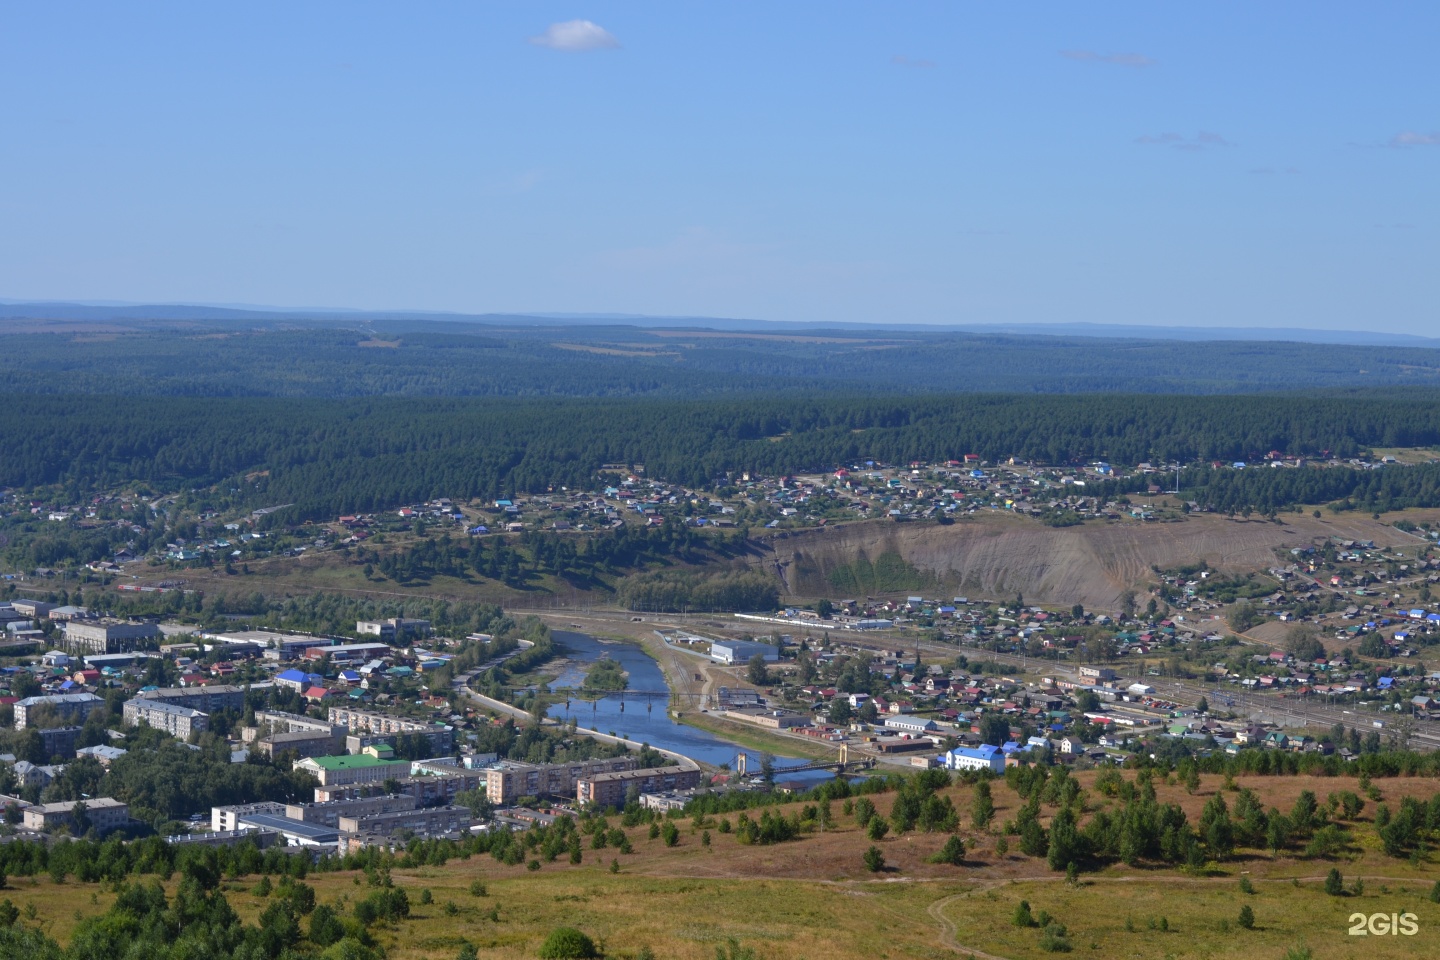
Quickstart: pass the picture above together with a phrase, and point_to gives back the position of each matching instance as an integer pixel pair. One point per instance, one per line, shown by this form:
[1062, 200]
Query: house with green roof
[360, 768]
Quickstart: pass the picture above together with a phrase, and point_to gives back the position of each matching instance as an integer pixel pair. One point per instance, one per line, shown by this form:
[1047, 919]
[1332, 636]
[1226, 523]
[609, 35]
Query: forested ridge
[338, 456]
[434, 359]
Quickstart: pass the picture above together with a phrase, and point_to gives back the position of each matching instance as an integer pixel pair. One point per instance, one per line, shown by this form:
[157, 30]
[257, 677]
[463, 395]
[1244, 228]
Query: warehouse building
[329, 814]
[741, 651]
[107, 636]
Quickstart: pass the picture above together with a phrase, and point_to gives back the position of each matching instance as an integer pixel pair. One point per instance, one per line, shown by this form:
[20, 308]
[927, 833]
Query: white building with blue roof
[983, 757]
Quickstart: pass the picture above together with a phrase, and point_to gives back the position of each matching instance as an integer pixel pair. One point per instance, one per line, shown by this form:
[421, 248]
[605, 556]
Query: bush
[1247, 917]
[1334, 883]
[1246, 886]
[877, 828]
[1022, 917]
[477, 888]
[874, 860]
[1054, 939]
[567, 943]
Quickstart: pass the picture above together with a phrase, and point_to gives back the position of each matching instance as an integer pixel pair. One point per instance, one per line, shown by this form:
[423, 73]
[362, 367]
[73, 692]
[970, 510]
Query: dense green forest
[431, 358]
[329, 457]
[1268, 490]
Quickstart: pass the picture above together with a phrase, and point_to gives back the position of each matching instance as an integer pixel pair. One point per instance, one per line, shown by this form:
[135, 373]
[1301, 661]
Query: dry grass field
[813, 898]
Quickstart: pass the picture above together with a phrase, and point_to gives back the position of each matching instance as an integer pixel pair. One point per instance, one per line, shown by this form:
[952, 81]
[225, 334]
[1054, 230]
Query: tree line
[331, 457]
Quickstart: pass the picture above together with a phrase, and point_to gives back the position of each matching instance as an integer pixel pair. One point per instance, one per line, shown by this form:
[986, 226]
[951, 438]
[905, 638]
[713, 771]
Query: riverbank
[680, 669]
[754, 738]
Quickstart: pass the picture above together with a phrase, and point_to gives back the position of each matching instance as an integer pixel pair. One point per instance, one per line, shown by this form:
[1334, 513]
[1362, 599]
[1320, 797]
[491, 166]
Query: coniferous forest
[333, 421]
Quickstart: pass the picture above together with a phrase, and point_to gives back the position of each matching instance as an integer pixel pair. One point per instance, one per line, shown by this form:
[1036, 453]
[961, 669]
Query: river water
[626, 714]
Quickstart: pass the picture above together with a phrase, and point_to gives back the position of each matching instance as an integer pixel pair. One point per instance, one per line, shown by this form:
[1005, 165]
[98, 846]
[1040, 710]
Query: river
[647, 719]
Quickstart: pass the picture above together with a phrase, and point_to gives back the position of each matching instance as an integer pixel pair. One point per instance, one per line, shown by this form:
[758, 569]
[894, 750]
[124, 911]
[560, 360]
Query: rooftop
[355, 762]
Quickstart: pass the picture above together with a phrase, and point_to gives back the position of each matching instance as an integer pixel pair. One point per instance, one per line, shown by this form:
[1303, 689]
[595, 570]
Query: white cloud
[1137, 60]
[900, 60]
[576, 36]
[1410, 138]
[1203, 140]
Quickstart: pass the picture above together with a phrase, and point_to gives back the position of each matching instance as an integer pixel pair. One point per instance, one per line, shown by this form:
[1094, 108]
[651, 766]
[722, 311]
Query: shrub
[567, 943]
[952, 853]
[1334, 883]
[1022, 917]
[477, 888]
[1247, 917]
[874, 860]
[1246, 886]
[877, 828]
[426, 897]
[1054, 939]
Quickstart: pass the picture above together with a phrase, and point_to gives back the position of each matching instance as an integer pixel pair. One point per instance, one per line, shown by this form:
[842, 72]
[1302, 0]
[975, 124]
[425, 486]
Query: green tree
[982, 806]
[874, 860]
[757, 672]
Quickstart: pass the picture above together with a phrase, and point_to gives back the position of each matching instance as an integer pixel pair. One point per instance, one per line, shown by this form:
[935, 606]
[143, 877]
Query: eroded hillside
[1001, 555]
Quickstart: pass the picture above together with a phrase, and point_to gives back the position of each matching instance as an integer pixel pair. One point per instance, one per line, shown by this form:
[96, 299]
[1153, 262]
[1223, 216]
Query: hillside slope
[1000, 555]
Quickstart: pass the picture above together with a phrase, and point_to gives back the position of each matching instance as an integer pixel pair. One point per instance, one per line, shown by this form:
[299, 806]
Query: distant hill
[129, 313]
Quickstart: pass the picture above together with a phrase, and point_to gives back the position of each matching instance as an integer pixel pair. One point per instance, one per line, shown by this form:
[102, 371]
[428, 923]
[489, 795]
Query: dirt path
[948, 929]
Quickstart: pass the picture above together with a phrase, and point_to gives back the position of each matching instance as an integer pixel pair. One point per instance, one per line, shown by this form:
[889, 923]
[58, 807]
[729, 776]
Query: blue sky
[1231, 164]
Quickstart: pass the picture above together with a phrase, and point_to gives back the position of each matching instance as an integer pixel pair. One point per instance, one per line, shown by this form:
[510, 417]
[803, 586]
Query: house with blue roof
[296, 680]
[983, 757]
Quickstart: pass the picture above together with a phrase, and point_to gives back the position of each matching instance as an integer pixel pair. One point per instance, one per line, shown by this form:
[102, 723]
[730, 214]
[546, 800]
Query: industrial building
[349, 652]
[329, 814]
[296, 832]
[741, 651]
[910, 724]
[284, 646]
[392, 628]
[227, 819]
[107, 636]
